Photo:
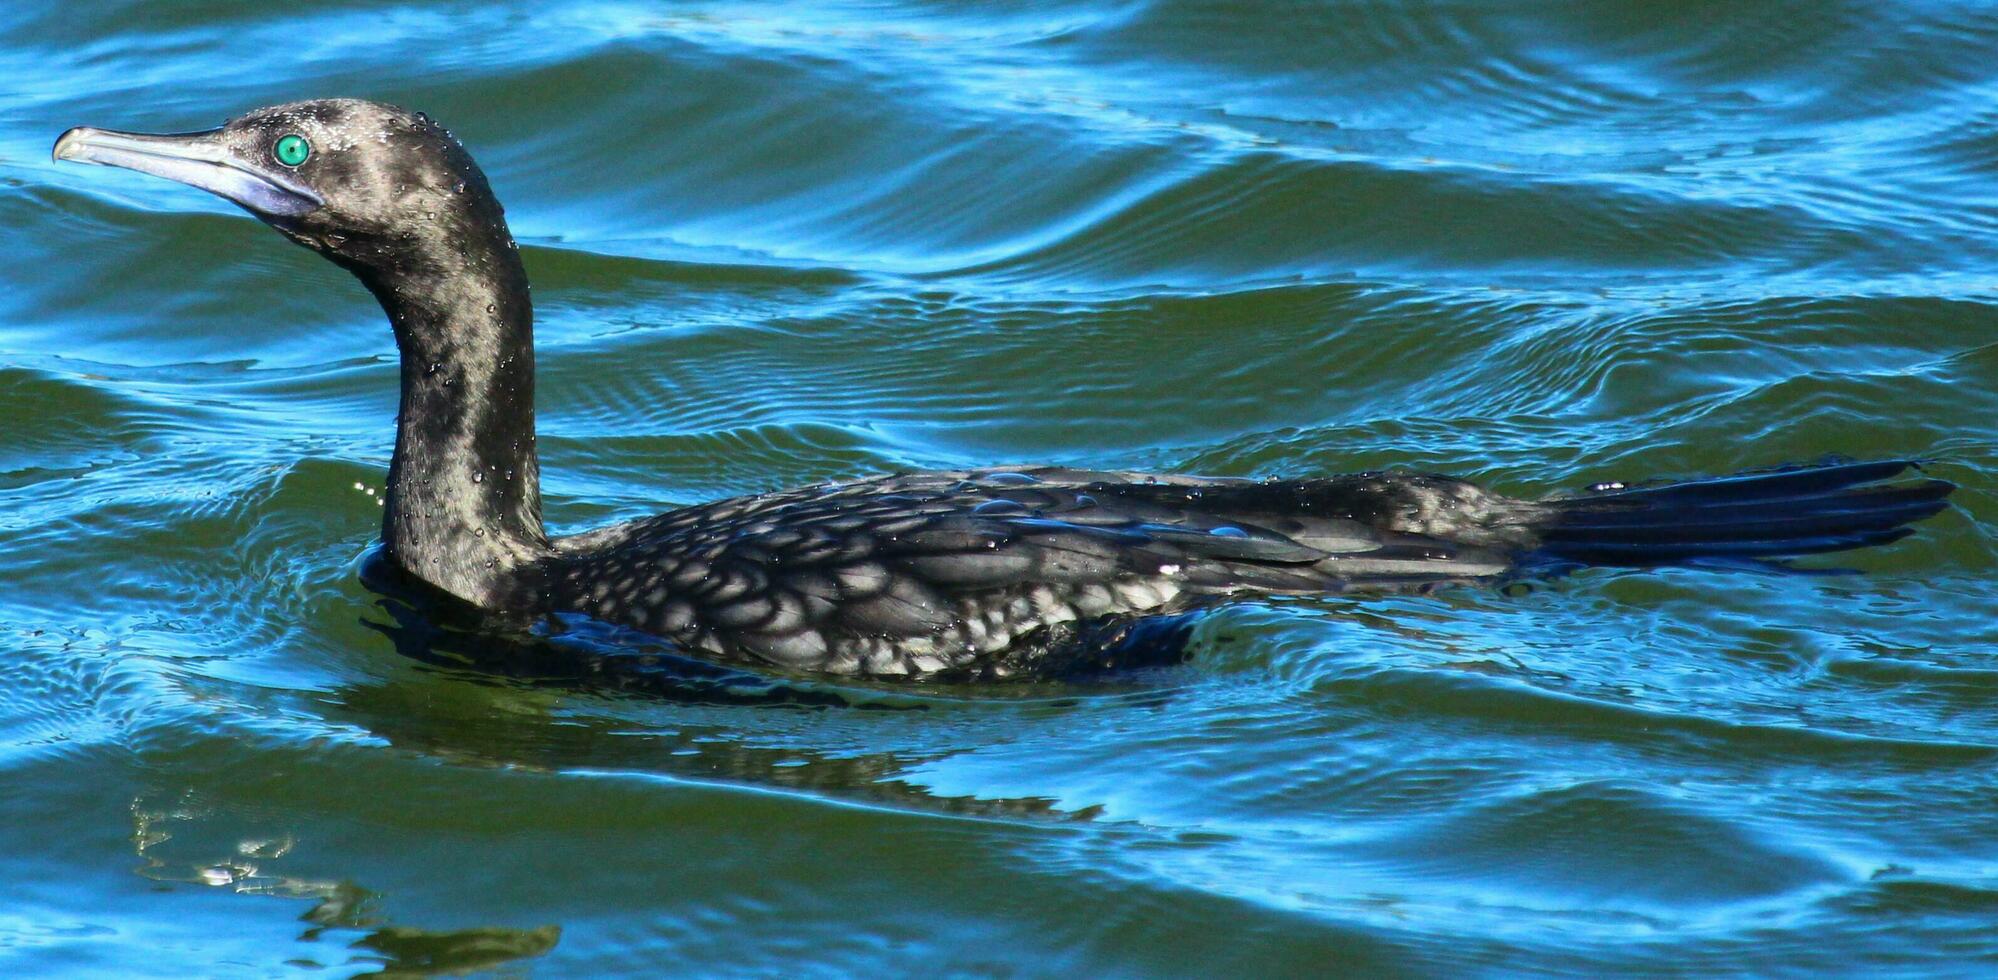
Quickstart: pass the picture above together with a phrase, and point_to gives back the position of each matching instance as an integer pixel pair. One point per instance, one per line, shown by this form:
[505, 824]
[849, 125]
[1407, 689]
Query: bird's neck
[463, 511]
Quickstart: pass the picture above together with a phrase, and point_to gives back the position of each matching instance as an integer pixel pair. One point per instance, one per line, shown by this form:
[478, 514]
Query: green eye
[291, 150]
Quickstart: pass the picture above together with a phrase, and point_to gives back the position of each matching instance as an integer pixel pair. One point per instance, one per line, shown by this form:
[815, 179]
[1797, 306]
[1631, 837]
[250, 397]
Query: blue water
[1537, 244]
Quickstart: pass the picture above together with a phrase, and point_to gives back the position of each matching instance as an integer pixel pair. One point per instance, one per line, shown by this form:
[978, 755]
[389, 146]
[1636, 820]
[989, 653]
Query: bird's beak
[196, 159]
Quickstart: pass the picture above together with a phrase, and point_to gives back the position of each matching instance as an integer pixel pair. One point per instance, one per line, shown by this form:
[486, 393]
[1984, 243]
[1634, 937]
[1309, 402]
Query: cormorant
[981, 572]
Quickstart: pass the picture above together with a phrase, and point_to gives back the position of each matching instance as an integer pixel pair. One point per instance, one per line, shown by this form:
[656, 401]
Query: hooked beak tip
[70, 145]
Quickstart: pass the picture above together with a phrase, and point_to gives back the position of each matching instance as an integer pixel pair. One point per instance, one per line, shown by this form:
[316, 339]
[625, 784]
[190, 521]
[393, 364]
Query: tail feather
[1774, 484]
[1770, 514]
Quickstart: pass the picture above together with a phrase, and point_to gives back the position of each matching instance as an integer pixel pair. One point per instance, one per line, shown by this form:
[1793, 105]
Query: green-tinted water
[1538, 244]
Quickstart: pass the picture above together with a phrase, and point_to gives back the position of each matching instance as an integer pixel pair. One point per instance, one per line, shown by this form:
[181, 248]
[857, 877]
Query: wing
[923, 572]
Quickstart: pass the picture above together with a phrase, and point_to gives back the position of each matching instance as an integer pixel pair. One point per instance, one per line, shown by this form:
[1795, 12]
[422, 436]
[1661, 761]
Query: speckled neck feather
[464, 503]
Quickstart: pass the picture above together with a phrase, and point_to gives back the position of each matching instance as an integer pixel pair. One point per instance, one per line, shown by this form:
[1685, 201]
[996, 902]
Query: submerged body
[991, 573]
[968, 572]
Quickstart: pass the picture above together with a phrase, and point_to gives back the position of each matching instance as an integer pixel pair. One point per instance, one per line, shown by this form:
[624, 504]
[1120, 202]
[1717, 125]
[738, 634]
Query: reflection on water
[544, 725]
[342, 914]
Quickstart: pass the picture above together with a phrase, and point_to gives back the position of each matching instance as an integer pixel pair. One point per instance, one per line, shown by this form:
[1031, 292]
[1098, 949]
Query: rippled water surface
[1536, 243]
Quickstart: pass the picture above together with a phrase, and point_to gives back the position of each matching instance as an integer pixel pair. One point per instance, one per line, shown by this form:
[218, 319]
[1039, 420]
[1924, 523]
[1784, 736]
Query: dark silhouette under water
[975, 573]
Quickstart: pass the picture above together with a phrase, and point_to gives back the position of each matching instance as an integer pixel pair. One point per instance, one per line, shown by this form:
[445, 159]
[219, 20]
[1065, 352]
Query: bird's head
[372, 186]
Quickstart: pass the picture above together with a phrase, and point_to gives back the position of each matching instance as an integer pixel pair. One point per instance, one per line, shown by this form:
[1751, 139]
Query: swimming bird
[984, 573]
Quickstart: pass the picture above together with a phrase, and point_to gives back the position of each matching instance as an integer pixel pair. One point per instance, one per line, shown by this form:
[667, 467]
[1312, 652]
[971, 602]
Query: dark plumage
[980, 572]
